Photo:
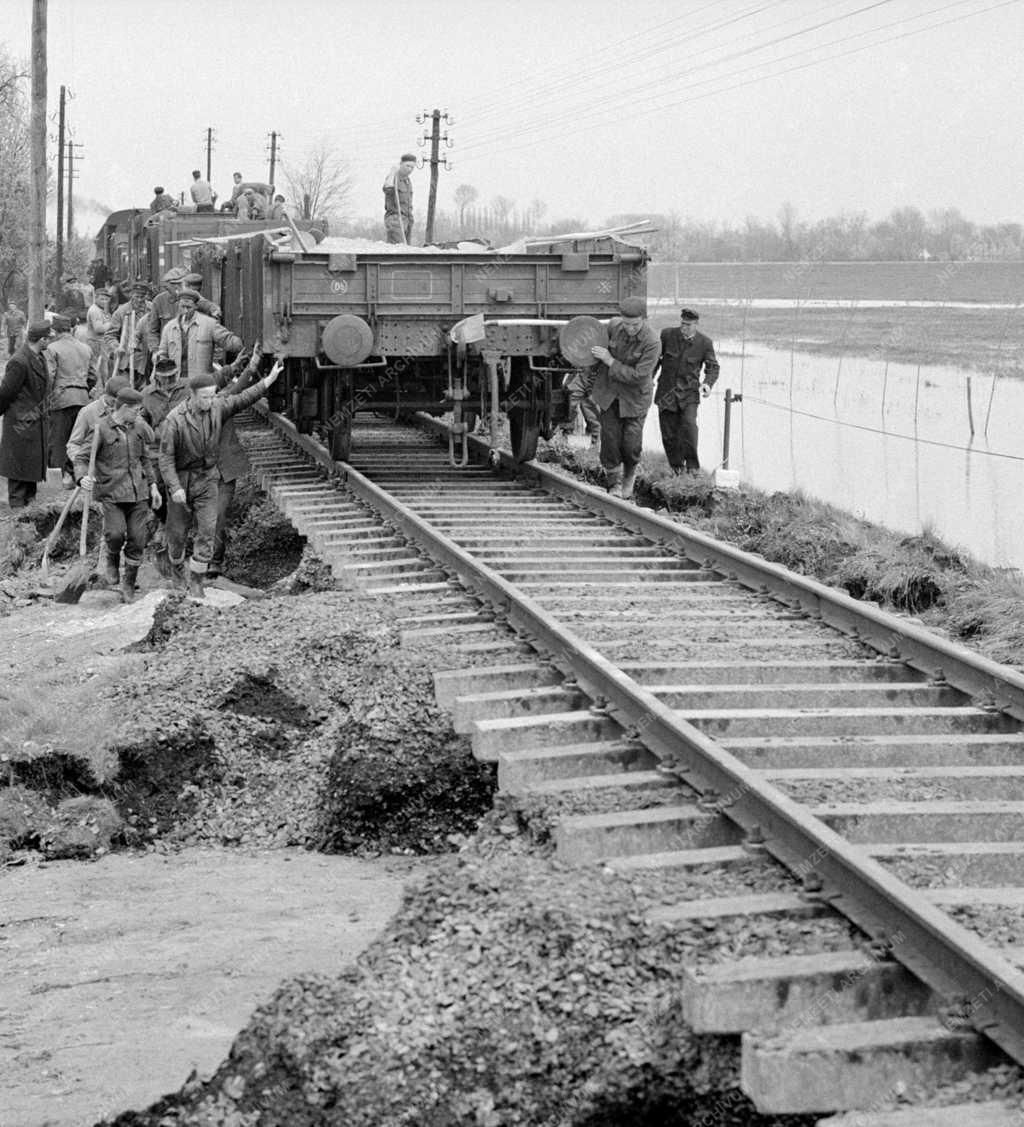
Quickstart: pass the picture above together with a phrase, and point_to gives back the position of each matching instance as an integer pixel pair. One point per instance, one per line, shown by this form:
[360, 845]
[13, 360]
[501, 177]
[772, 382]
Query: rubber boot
[615, 482]
[628, 481]
[111, 568]
[195, 584]
[129, 577]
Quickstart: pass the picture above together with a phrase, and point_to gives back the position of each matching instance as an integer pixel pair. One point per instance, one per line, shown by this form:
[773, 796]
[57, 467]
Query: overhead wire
[631, 112]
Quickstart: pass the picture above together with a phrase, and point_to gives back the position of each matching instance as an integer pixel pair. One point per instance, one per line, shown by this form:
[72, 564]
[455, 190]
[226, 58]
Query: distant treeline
[905, 235]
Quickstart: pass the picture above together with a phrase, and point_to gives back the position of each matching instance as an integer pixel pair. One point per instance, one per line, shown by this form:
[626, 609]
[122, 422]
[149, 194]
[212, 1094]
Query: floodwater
[888, 442]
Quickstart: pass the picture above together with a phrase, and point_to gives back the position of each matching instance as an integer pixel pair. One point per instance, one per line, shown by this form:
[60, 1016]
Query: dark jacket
[680, 364]
[630, 377]
[233, 461]
[191, 439]
[124, 472]
[157, 404]
[23, 404]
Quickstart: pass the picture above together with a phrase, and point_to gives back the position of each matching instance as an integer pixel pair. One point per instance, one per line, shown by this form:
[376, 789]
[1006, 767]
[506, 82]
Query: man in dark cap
[124, 483]
[685, 354]
[623, 389]
[23, 406]
[126, 335]
[161, 200]
[69, 361]
[189, 340]
[189, 453]
[398, 201]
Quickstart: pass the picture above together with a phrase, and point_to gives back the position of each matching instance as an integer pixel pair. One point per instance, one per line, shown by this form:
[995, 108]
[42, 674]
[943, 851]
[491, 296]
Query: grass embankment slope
[949, 592]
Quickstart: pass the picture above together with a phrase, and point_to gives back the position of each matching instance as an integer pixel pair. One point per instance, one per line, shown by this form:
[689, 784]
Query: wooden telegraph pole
[37, 180]
[60, 184]
[435, 137]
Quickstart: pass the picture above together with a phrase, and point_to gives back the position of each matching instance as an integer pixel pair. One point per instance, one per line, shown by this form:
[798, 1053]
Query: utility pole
[273, 158]
[209, 151]
[60, 184]
[71, 176]
[435, 138]
[37, 181]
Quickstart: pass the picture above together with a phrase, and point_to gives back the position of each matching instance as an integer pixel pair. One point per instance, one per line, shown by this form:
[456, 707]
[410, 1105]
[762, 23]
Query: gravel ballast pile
[506, 991]
[323, 731]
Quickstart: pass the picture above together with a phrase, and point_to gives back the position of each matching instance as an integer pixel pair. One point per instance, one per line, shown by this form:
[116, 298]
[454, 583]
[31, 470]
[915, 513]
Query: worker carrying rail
[398, 201]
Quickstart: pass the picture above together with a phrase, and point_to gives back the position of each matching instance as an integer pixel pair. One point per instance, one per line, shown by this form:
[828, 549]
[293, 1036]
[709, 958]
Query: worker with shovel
[123, 480]
[189, 456]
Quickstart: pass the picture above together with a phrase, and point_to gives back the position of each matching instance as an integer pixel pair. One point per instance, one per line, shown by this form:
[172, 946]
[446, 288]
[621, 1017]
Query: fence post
[730, 399]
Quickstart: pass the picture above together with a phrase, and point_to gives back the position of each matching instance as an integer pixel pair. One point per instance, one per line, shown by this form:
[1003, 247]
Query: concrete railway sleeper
[773, 720]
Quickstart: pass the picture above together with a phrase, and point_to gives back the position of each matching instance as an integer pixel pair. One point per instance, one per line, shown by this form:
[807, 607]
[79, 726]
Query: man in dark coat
[622, 390]
[24, 407]
[684, 353]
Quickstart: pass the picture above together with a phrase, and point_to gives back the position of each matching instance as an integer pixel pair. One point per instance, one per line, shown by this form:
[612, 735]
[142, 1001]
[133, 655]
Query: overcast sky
[715, 110]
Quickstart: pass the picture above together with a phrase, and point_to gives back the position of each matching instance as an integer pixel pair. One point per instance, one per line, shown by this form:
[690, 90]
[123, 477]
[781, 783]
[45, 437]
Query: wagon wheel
[341, 437]
[524, 432]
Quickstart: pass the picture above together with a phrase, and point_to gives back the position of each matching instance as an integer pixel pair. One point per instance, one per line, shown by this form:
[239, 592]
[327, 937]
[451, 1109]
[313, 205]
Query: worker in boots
[623, 391]
[123, 482]
[189, 457]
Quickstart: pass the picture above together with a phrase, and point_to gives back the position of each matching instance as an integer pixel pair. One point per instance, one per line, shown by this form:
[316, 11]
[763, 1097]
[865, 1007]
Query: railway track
[739, 716]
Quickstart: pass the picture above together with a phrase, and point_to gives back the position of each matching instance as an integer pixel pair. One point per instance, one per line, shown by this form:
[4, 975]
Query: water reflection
[888, 442]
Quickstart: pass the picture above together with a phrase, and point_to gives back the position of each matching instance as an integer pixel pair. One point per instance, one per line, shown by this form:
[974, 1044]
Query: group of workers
[249, 200]
[137, 410]
[615, 394]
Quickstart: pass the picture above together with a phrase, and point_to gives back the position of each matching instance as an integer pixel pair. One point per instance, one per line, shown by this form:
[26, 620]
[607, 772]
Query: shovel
[44, 567]
[77, 579]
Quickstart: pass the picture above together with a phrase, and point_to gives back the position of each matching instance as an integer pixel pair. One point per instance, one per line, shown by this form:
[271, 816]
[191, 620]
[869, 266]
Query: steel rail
[987, 990]
[998, 687]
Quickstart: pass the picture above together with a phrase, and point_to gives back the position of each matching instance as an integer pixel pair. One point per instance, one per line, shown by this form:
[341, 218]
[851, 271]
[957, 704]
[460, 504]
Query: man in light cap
[398, 200]
[23, 405]
[123, 482]
[69, 361]
[189, 453]
[189, 340]
[623, 390]
[684, 353]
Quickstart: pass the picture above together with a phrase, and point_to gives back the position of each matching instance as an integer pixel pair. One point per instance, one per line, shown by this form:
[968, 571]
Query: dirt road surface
[122, 976]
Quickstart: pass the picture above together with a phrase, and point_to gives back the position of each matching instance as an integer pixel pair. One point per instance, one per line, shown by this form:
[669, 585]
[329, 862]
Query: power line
[748, 398]
[629, 113]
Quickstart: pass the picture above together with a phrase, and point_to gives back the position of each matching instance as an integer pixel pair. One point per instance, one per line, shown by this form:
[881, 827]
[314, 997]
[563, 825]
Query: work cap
[165, 364]
[633, 307]
[38, 330]
[158, 190]
[140, 287]
[128, 396]
[688, 315]
[69, 278]
[409, 156]
[175, 274]
[196, 382]
[114, 385]
[61, 324]
[193, 280]
[187, 293]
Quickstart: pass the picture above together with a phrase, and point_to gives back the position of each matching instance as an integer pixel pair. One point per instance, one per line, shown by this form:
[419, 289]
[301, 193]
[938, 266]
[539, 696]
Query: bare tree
[320, 187]
[465, 196]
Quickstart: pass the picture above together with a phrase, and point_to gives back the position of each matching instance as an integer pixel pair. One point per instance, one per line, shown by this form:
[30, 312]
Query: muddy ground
[122, 976]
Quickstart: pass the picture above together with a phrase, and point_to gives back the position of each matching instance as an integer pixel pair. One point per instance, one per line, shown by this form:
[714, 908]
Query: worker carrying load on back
[398, 201]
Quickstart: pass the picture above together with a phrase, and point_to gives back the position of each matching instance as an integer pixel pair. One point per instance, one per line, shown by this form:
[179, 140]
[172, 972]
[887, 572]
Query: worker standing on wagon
[684, 352]
[398, 201]
[189, 456]
[623, 391]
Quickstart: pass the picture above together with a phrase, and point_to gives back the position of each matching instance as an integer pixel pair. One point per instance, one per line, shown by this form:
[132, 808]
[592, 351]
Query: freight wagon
[391, 329]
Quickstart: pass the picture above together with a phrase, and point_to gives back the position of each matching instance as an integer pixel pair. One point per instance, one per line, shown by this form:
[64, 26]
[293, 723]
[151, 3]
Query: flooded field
[887, 441]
